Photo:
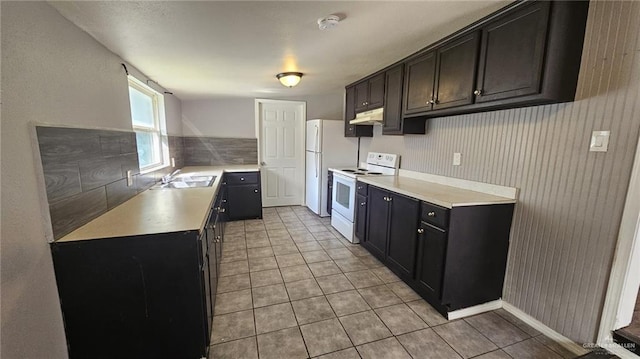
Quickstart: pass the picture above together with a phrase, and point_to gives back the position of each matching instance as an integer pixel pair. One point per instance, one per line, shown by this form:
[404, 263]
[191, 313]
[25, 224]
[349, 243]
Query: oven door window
[343, 195]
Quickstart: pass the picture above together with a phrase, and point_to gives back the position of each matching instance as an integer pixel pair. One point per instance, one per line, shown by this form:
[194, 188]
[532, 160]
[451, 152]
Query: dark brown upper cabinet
[512, 57]
[527, 53]
[393, 121]
[419, 84]
[456, 72]
[350, 113]
[369, 93]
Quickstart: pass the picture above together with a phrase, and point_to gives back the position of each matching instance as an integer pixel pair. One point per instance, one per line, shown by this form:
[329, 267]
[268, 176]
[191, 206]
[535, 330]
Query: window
[147, 116]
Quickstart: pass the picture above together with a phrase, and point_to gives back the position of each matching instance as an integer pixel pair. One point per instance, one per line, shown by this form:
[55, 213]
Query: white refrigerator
[326, 147]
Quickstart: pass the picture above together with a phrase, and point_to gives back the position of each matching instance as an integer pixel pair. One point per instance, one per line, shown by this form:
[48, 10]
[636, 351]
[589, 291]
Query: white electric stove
[343, 205]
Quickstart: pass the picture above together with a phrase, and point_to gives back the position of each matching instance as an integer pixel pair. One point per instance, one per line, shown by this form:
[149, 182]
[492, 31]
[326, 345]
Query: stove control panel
[383, 159]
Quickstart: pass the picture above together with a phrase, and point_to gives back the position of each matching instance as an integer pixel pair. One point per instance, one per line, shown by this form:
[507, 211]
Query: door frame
[301, 145]
[622, 289]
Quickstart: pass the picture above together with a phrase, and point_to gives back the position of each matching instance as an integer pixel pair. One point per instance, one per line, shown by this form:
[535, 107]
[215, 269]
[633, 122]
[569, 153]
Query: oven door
[344, 196]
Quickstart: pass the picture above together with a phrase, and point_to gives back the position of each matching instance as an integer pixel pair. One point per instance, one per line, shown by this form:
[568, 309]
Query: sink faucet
[169, 178]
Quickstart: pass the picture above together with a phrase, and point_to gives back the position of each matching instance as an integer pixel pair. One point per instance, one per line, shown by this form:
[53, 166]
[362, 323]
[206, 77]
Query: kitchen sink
[187, 182]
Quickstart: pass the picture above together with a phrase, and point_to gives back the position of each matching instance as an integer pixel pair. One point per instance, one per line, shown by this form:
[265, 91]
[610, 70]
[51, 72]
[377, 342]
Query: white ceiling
[235, 48]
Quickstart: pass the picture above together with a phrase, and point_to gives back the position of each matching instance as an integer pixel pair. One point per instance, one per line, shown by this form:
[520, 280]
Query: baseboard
[476, 309]
[542, 328]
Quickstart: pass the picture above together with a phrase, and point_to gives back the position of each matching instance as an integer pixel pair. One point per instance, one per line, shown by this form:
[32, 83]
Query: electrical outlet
[599, 141]
[173, 161]
[457, 158]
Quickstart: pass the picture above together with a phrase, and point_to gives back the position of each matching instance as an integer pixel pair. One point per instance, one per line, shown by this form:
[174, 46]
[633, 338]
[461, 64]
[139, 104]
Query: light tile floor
[293, 287]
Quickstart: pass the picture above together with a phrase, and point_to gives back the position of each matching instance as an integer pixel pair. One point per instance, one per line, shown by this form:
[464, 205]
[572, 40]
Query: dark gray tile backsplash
[85, 170]
[214, 151]
[85, 173]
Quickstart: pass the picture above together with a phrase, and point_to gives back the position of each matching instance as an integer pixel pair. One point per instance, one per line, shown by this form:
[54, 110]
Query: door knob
[477, 92]
[241, 178]
[420, 230]
[362, 203]
[255, 191]
[431, 214]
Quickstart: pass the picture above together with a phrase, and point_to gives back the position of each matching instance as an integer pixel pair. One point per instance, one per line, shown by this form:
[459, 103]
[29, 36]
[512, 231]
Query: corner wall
[566, 223]
[53, 73]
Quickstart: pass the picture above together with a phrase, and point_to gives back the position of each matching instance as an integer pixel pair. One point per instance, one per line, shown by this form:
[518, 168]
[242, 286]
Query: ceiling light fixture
[289, 79]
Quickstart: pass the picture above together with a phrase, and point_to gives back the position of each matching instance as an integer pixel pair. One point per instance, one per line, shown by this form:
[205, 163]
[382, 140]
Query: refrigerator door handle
[317, 139]
[317, 163]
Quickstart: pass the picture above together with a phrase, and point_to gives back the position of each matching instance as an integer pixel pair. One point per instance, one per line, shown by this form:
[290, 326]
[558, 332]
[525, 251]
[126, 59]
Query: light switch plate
[599, 141]
[457, 158]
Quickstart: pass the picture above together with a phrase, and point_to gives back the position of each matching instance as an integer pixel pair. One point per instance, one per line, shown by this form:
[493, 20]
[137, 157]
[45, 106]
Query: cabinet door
[378, 215]
[244, 201]
[362, 96]
[512, 54]
[376, 92]
[350, 112]
[456, 72]
[393, 101]
[419, 83]
[361, 217]
[432, 248]
[403, 229]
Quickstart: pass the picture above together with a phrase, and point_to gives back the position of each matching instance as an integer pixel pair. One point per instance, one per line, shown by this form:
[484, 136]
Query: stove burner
[362, 169]
[374, 173]
[360, 173]
[349, 170]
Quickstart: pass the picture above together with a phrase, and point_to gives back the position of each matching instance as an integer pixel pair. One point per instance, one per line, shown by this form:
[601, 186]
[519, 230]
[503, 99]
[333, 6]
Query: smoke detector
[328, 22]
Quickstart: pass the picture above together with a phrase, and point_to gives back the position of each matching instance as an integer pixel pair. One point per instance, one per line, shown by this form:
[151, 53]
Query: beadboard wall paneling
[566, 222]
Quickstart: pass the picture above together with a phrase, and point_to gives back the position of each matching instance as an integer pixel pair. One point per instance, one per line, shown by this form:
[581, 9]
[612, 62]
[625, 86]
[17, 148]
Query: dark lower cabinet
[244, 197]
[135, 297]
[377, 223]
[432, 247]
[149, 296]
[454, 258]
[392, 227]
[403, 228]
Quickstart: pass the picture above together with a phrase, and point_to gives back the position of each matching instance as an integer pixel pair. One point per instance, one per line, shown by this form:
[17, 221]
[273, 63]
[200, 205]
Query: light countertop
[159, 210]
[442, 195]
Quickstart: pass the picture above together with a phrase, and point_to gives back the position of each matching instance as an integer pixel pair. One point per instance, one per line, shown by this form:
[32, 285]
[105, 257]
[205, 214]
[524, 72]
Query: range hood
[373, 117]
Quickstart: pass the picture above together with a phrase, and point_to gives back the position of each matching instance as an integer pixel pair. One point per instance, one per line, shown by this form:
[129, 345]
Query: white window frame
[159, 129]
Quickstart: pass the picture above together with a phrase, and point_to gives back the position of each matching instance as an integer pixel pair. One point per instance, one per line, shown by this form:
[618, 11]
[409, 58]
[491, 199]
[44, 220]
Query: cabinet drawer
[435, 215]
[362, 188]
[242, 177]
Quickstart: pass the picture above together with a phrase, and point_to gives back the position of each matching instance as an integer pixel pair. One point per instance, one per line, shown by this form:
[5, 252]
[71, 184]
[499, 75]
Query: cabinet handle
[222, 210]
[255, 191]
[241, 178]
[359, 187]
[477, 92]
[385, 198]
[431, 214]
[420, 230]
[431, 102]
[363, 203]
[390, 199]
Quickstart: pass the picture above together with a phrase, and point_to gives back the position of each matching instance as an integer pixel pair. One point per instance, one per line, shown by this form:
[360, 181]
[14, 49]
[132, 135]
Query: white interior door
[280, 131]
